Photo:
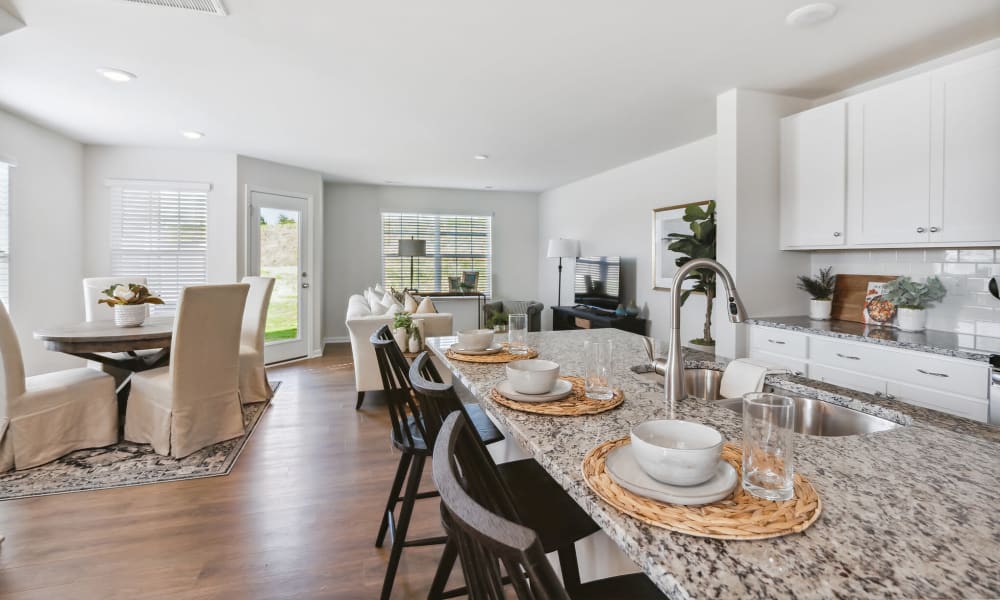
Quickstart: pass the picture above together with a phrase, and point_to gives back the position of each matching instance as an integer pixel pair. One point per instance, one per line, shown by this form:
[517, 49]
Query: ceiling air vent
[211, 7]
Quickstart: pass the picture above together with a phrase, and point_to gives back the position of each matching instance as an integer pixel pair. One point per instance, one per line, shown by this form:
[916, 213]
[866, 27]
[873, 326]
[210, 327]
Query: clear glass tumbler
[517, 334]
[768, 453]
[599, 378]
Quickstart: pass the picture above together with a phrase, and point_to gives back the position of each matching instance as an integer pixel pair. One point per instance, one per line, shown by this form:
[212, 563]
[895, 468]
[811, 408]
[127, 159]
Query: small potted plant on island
[402, 326]
[498, 321]
[130, 302]
[912, 299]
[820, 290]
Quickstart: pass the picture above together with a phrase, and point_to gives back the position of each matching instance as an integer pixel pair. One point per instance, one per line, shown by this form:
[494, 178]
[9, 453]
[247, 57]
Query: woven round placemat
[504, 356]
[742, 516]
[577, 403]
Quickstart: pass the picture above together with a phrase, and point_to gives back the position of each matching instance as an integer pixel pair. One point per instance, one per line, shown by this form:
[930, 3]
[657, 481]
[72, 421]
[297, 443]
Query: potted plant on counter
[820, 290]
[130, 302]
[498, 321]
[912, 299]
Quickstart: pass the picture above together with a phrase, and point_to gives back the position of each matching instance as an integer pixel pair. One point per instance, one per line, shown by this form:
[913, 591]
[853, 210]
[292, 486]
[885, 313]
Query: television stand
[573, 317]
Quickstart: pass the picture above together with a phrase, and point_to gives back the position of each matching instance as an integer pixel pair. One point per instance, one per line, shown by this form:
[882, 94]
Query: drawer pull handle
[932, 373]
[886, 396]
[779, 342]
[848, 356]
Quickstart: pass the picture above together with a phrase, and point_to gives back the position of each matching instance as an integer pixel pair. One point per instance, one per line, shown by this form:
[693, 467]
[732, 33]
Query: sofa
[362, 323]
[531, 308]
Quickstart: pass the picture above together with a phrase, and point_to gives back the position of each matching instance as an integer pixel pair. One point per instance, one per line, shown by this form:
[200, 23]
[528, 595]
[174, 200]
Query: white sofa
[361, 324]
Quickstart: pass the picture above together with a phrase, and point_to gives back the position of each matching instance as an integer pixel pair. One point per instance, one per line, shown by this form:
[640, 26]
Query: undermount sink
[812, 417]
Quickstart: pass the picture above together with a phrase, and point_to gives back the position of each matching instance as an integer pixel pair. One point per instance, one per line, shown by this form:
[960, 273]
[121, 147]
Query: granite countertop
[907, 513]
[946, 343]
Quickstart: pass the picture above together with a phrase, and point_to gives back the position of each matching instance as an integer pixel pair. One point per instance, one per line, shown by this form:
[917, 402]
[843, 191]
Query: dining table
[146, 346]
[905, 512]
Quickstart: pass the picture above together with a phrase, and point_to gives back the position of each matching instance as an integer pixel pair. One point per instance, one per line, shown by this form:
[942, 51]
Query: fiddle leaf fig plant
[906, 293]
[700, 243]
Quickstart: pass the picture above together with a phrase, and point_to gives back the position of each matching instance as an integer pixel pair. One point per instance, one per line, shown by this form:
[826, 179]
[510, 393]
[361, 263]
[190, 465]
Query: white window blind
[455, 243]
[5, 234]
[160, 230]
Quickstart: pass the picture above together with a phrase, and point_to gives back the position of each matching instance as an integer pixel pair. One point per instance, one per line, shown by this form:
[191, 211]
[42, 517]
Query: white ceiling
[409, 91]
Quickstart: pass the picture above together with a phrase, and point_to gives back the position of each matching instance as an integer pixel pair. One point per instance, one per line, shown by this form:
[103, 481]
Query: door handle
[935, 229]
[848, 356]
[305, 285]
[920, 230]
[779, 342]
[932, 373]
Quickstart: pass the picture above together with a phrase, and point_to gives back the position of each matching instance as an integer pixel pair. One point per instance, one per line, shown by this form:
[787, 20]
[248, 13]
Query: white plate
[621, 466]
[494, 349]
[561, 389]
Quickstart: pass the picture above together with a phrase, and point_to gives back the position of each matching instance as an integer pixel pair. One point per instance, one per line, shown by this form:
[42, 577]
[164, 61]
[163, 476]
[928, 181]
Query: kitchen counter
[907, 513]
[946, 343]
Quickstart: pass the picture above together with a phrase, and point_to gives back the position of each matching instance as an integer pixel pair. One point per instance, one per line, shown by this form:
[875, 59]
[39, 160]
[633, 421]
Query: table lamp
[559, 248]
[412, 248]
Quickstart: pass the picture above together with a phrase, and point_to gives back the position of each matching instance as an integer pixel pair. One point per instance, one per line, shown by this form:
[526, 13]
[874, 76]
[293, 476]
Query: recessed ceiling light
[116, 75]
[481, 156]
[811, 14]
[193, 135]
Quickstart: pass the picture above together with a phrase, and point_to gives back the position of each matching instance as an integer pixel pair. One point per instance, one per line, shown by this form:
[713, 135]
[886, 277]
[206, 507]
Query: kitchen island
[907, 513]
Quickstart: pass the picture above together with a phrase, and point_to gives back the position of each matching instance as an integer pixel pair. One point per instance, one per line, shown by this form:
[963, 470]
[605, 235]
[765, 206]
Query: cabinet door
[888, 154]
[813, 177]
[965, 166]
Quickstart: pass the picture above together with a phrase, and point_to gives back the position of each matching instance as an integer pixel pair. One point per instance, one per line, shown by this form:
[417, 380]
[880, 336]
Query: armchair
[530, 307]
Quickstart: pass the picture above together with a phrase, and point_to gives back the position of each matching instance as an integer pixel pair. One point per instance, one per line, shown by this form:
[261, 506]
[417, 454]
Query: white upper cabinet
[965, 151]
[888, 165]
[813, 187]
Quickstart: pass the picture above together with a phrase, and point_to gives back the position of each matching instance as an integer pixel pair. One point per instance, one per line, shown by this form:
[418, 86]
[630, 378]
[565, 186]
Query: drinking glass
[768, 464]
[517, 334]
[599, 379]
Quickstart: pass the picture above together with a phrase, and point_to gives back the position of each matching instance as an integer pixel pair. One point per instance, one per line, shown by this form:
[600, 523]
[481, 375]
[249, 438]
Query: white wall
[119, 162]
[46, 237]
[611, 214]
[277, 178]
[352, 252]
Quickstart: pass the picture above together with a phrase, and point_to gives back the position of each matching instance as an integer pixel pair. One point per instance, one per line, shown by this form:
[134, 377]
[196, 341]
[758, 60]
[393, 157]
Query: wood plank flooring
[296, 518]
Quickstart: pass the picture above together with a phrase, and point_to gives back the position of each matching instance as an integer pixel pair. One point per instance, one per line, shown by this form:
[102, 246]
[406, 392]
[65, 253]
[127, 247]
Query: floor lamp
[412, 248]
[560, 248]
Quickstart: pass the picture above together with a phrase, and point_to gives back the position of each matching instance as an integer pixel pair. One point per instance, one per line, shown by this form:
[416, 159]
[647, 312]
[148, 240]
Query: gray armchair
[530, 307]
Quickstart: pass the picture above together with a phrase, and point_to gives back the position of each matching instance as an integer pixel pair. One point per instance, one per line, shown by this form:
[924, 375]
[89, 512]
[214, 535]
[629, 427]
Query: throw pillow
[392, 310]
[379, 289]
[378, 308]
[409, 304]
[426, 307]
[388, 300]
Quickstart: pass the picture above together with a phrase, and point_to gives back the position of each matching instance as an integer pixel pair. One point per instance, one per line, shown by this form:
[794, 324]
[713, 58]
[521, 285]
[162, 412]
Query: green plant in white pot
[820, 290]
[912, 299]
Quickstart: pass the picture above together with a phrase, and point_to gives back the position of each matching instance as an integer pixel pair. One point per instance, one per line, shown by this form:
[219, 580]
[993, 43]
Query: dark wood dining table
[104, 342]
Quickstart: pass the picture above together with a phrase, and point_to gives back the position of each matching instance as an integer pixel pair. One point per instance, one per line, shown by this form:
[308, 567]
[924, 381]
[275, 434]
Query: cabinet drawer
[779, 341]
[962, 406]
[778, 361]
[847, 379]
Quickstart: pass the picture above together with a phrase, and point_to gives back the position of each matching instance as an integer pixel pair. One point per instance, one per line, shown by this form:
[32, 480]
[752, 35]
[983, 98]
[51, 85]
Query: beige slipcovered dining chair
[52, 414]
[254, 386]
[92, 288]
[194, 402]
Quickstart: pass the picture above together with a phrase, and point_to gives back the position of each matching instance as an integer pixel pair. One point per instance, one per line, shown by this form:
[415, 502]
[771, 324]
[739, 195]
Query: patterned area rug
[126, 464]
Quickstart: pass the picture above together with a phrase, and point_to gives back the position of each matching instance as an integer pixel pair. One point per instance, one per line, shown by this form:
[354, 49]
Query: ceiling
[409, 92]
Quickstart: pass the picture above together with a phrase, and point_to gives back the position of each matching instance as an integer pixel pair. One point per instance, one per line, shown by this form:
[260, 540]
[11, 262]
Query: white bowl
[677, 452]
[475, 339]
[532, 376]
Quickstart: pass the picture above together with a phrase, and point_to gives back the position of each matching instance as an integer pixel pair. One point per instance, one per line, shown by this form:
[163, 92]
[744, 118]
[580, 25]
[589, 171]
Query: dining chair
[495, 545]
[254, 386]
[92, 292]
[539, 502]
[414, 441]
[195, 401]
[52, 414]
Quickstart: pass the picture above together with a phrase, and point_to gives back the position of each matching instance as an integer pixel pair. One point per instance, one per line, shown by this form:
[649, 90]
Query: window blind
[455, 243]
[160, 231]
[5, 234]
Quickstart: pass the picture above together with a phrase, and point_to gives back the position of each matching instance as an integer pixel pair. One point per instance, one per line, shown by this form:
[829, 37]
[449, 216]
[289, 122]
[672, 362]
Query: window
[160, 230]
[455, 243]
[5, 234]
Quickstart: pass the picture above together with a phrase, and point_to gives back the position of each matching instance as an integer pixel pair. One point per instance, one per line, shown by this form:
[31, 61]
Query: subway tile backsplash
[967, 309]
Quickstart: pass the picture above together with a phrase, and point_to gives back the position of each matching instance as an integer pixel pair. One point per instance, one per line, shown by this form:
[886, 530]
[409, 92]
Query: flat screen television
[598, 282]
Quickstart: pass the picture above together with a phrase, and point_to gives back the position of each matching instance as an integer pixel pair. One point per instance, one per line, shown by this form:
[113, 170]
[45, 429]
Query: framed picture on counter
[667, 220]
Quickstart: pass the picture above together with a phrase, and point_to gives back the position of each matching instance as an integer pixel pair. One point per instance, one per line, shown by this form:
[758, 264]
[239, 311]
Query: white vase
[130, 315]
[819, 310]
[401, 338]
[911, 319]
[414, 344]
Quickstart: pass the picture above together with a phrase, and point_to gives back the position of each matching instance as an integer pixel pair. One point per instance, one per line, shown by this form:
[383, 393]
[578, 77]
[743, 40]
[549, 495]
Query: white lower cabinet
[847, 379]
[963, 406]
[778, 361]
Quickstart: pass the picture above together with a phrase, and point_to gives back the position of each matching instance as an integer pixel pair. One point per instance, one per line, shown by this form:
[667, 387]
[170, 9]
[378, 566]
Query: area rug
[126, 464]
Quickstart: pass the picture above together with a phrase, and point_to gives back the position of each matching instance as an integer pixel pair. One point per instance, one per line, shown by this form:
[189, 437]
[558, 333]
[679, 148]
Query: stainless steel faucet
[674, 376]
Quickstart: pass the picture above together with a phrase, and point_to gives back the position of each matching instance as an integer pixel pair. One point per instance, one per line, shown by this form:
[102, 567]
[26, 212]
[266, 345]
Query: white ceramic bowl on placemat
[623, 469]
[475, 339]
[560, 390]
[459, 349]
[532, 376]
[677, 452]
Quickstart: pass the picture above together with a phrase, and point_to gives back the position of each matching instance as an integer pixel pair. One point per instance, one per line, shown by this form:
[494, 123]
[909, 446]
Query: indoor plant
[131, 303]
[820, 290]
[498, 321]
[912, 299]
[700, 243]
[402, 326]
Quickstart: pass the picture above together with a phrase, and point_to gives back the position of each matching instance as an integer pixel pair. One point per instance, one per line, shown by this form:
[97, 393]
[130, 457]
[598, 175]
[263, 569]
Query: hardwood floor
[296, 518]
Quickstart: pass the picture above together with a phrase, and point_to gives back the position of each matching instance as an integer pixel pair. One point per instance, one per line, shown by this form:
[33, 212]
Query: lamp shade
[412, 247]
[562, 247]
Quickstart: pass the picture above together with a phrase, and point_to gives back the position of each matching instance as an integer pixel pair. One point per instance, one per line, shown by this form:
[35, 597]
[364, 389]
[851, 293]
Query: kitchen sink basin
[702, 384]
[815, 417]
